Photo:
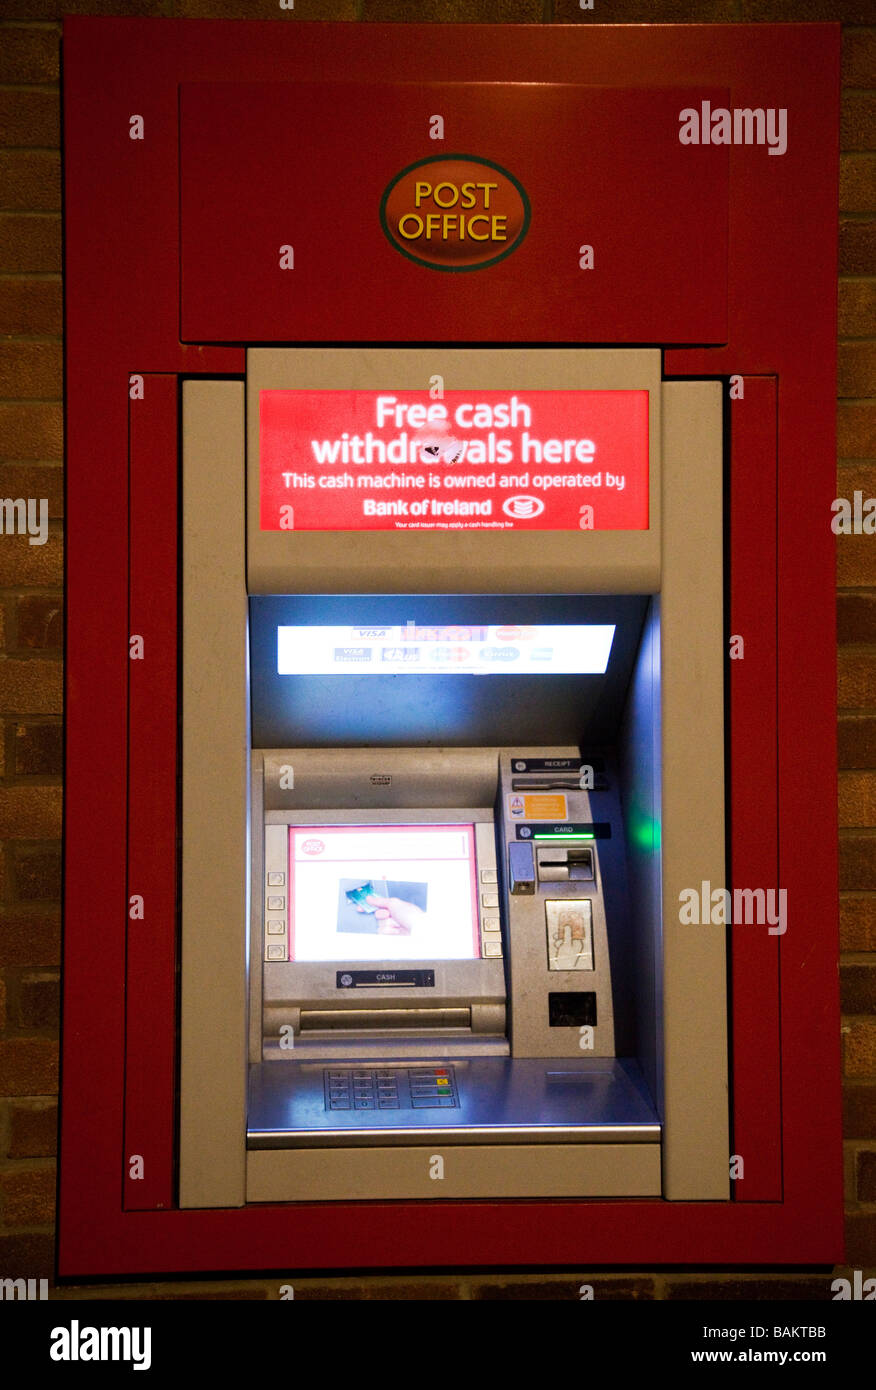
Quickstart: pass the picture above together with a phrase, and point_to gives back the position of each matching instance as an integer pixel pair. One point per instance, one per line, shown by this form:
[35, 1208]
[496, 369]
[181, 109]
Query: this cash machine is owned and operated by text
[457, 806]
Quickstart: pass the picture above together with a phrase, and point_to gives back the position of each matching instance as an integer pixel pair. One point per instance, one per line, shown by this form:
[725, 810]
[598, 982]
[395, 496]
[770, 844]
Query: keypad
[420, 1088]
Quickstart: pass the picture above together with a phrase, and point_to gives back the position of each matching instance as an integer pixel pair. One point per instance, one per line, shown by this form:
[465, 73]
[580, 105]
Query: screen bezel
[369, 827]
[305, 984]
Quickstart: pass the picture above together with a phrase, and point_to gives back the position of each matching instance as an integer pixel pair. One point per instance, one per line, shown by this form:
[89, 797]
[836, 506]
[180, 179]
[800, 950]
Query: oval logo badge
[455, 212]
[523, 507]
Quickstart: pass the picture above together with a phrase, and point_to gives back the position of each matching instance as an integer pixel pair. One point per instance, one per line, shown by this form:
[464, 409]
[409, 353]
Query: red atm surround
[163, 282]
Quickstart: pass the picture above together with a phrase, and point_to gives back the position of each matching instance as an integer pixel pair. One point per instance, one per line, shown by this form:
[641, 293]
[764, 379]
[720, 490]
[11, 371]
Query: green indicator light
[645, 831]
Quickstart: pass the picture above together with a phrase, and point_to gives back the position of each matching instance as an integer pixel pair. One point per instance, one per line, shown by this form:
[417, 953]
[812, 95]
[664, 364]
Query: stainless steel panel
[532, 975]
[499, 1102]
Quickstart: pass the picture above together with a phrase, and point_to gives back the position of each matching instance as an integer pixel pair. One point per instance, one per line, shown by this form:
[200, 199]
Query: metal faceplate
[564, 875]
[345, 1009]
[471, 1100]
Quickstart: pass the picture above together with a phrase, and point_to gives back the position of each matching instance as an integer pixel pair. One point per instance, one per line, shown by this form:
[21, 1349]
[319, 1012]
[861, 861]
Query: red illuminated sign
[475, 460]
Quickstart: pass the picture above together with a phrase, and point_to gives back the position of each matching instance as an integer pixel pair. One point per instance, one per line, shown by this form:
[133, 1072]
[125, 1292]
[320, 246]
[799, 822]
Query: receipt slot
[466, 818]
[443, 723]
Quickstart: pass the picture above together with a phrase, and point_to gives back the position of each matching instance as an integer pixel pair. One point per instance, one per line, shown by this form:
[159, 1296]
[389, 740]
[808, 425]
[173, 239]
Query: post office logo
[455, 212]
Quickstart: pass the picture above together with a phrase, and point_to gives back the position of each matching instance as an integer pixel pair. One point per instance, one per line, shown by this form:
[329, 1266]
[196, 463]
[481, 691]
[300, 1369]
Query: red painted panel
[253, 180]
[95, 781]
[807, 789]
[780, 322]
[756, 1041]
[150, 992]
[450, 1234]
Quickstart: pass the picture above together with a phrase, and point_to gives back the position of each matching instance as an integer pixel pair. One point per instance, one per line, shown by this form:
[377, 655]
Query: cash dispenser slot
[313, 1020]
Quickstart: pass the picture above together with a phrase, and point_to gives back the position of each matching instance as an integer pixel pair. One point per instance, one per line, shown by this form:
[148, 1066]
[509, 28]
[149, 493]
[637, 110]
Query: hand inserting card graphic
[386, 907]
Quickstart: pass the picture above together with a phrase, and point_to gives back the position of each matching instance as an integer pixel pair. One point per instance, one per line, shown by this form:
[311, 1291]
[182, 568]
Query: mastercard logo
[451, 654]
[455, 212]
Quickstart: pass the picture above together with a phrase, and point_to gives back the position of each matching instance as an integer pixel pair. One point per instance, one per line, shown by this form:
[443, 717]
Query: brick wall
[31, 636]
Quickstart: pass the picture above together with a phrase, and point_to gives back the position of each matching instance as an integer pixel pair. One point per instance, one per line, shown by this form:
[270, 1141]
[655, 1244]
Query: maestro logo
[455, 212]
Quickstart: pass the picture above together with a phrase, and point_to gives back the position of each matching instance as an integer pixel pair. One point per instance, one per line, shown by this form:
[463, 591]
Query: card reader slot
[562, 862]
[358, 1019]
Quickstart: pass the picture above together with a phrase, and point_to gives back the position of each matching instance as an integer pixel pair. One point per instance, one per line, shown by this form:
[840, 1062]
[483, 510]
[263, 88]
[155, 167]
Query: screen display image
[375, 892]
[390, 907]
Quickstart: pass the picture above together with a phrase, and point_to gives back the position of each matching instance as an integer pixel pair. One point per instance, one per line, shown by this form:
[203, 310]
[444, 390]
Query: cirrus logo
[523, 507]
[313, 846]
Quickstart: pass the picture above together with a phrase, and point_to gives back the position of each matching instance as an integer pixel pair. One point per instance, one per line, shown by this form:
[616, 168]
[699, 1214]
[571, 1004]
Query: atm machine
[434, 841]
[463, 499]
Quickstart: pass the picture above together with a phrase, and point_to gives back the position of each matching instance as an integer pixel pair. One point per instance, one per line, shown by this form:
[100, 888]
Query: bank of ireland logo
[522, 507]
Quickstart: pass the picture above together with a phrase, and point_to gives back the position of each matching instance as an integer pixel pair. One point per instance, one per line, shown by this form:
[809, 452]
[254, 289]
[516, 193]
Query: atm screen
[383, 892]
